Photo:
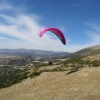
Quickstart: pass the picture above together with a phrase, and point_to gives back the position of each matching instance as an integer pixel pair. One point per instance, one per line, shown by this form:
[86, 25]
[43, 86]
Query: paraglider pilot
[50, 63]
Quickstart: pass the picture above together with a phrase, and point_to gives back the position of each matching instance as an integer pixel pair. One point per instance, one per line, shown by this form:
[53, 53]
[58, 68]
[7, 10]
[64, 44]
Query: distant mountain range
[44, 54]
[32, 52]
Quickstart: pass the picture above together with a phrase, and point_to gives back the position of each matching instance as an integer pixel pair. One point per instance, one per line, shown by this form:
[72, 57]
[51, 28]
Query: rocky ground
[81, 85]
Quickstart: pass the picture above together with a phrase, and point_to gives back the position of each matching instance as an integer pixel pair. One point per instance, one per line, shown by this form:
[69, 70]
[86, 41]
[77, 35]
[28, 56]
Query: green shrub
[11, 79]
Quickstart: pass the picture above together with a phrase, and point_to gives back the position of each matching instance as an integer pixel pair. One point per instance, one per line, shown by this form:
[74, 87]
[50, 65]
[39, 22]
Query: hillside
[80, 85]
[85, 52]
[29, 78]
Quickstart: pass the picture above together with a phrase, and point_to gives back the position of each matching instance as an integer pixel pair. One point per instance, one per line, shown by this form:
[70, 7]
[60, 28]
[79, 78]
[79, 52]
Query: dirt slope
[80, 85]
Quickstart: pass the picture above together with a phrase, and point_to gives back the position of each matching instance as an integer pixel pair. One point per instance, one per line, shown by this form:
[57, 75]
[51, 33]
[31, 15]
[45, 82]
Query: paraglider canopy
[55, 31]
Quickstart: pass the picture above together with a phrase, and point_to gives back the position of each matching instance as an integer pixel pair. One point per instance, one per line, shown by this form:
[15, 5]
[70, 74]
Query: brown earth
[81, 85]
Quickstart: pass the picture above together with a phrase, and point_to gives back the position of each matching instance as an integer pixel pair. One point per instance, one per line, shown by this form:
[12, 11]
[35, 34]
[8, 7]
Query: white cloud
[25, 29]
[94, 33]
[5, 7]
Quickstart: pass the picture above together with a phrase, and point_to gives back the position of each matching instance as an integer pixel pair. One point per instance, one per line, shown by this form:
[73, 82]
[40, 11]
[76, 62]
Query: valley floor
[81, 85]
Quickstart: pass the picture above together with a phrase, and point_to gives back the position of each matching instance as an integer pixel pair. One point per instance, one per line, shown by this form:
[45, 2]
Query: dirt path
[80, 85]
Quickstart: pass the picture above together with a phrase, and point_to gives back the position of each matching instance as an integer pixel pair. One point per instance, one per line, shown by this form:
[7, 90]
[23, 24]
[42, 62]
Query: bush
[35, 73]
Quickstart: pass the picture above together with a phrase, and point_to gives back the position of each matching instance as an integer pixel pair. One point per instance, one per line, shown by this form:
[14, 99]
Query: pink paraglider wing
[55, 31]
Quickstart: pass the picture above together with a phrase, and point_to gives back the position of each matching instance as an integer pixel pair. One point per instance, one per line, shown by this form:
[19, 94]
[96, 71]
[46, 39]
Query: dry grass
[48, 67]
[80, 85]
[92, 57]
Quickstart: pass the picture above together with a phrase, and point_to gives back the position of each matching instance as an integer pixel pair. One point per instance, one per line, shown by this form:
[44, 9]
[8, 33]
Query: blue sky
[21, 20]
